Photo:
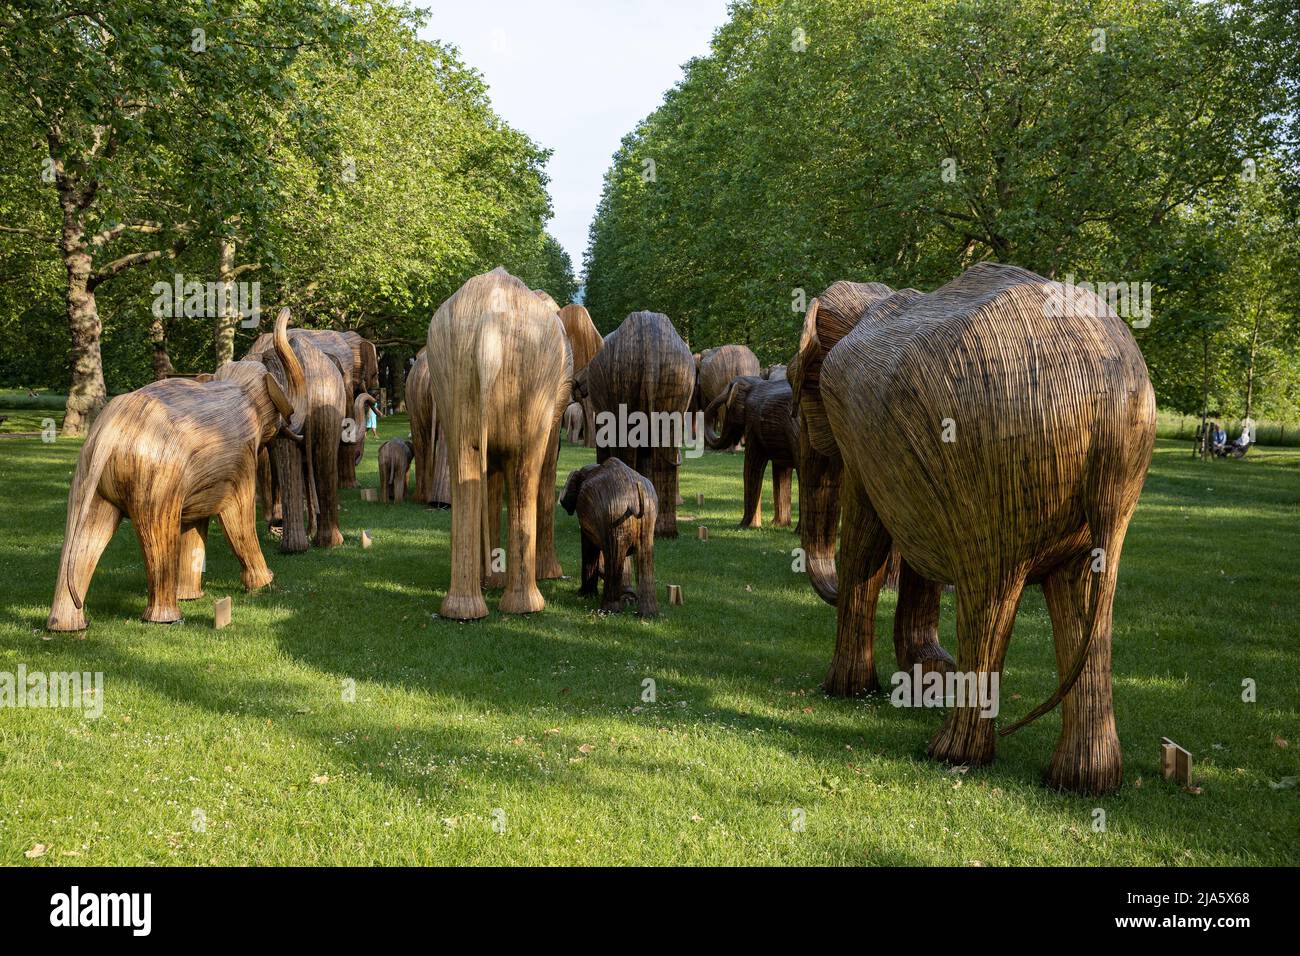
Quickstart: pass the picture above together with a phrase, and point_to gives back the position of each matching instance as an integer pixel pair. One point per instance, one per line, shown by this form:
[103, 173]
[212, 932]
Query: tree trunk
[87, 393]
[162, 362]
[1250, 364]
[227, 315]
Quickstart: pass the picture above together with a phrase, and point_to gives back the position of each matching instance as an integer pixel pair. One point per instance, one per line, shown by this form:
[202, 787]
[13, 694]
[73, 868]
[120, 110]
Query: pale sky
[576, 76]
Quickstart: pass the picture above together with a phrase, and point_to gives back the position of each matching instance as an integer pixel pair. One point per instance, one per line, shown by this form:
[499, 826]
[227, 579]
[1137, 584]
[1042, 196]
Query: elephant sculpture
[616, 510]
[997, 432]
[358, 363]
[432, 474]
[760, 412]
[714, 370]
[575, 423]
[500, 371]
[585, 341]
[395, 456]
[305, 474]
[170, 456]
[646, 370]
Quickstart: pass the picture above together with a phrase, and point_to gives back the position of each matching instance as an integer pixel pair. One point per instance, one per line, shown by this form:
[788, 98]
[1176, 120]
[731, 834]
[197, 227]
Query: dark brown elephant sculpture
[169, 456]
[616, 510]
[760, 412]
[432, 473]
[395, 456]
[997, 432]
[645, 369]
[716, 367]
[305, 474]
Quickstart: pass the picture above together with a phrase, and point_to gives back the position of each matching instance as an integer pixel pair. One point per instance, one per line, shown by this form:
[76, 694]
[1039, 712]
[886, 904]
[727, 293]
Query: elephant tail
[85, 487]
[1076, 666]
[1105, 489]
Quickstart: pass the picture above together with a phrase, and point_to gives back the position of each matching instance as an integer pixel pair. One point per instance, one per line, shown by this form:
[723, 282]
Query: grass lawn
[237, 746]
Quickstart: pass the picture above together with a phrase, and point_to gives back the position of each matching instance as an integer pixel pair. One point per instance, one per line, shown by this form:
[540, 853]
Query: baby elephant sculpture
[170, 456]
[616, 509]
[395, 456]
[759, 412]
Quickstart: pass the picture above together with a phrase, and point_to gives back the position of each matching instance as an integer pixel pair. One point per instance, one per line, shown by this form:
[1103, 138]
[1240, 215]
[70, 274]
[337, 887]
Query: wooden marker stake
[221, 613]
[699, 499]
[365, 538]
[369, 494]
[1175, 762]
[674, 594]
[704, 533]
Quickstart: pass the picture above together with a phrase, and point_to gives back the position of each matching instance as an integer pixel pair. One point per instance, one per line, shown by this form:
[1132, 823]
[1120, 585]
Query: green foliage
[909, 140]
[360, 170]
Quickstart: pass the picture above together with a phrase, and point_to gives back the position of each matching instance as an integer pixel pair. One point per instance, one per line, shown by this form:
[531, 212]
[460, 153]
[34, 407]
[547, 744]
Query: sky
[576, 76]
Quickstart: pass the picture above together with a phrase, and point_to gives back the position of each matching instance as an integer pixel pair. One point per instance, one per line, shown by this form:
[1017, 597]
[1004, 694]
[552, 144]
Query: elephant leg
[464, 600]
[239, 523]
[755, 466]
[1087, 757]
[864, 548]
[397, 484]
[916, 624]
[985, 615]
[590, 567]
[521, 595]
[293, 490]
[81, 553]
[615, 561]
[781, 483]
[158, 526]
[548, 564]
[194, 542]
[663, 475]
[647, 600]
[494, 574]
[266, 497]
[439, 478]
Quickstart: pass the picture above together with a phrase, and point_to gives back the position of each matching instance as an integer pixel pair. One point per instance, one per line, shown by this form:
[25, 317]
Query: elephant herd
[980, 437]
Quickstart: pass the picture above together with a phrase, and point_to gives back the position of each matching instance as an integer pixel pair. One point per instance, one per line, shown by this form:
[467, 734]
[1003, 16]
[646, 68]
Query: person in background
[372, 422]
[1218, 438]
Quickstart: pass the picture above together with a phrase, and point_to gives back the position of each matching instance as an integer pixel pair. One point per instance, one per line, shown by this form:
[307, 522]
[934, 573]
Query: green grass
[542, 716]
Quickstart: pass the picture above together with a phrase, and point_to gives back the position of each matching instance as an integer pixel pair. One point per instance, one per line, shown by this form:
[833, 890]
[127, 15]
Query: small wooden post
[369, 494]
[674, 594]
[1175, 762]
[365, 538]
[699, 499]
[221, 613]
[703, 533]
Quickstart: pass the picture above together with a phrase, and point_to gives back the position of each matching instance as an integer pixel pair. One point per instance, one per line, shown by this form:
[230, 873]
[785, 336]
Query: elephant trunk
[819, 517]
[293, 373]
[731, 431]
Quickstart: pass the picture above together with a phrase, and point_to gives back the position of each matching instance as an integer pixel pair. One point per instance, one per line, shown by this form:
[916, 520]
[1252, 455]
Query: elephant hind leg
[521, 595]
[548, 564]
[239, 523]
[494, 575]
[158, 525]
[985, 615]
[81, 553]
[916, 624]
[781, 494]
[1087, 758]
[755, 466]
[194, 547]
[590, 567]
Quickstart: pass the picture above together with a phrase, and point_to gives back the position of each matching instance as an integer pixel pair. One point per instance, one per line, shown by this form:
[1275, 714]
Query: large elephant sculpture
[169, 456]
[585, 341]
[760, 412]
[305, 473]
[432, 472]
[997, 432]
[644, 369]
[500, 371]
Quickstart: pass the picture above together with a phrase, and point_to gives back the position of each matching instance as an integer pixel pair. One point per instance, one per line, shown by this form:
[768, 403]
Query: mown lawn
[238, 747]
